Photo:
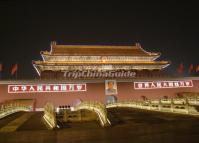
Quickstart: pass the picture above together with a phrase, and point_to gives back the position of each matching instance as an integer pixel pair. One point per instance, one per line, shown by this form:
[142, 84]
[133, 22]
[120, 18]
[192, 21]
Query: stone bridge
[98, 108]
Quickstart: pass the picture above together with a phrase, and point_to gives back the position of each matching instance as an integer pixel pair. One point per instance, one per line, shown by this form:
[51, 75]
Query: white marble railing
[12, 106]
[49, 115]
[183, 106]
[8, 111]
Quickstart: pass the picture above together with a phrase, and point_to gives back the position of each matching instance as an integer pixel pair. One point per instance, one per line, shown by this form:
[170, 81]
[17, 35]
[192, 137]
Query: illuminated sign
[46, 88]
[162, 84]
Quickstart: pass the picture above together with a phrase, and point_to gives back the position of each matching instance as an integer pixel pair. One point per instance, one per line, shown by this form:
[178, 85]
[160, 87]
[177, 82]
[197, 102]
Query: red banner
[162, 84]
[1, 67]
[14, 69]
[46, 88]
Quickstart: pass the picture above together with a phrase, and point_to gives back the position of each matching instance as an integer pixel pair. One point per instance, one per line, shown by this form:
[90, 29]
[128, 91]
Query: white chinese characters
[162, 84]
[46, 88]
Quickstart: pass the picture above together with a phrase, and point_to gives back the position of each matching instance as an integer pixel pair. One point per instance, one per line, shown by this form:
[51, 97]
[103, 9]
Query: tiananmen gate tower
[103, 73]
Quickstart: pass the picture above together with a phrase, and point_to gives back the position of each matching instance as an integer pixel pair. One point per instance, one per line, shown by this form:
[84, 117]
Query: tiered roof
[93, 50]
[62, 56]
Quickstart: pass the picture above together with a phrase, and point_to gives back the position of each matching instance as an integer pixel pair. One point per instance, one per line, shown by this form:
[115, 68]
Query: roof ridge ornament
[137, 44]
[52, 44]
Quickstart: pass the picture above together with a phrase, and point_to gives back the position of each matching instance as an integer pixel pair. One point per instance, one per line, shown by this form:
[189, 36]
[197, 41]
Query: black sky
[26, 28]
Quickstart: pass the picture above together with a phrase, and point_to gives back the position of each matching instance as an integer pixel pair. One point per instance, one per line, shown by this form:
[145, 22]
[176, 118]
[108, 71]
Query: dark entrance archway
[111, 99]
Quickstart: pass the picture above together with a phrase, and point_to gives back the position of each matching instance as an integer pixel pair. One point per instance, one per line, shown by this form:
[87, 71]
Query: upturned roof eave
[46, 53]
[101, 63]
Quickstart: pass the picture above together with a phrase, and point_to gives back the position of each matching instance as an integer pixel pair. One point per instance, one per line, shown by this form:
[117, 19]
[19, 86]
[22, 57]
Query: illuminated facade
[94, 61]
[112, 68]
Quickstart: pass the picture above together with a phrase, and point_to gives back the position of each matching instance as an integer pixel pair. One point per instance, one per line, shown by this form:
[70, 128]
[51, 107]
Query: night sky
[26, 28]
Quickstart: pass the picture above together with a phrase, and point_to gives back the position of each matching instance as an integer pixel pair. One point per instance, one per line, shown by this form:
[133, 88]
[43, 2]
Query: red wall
[95, 91]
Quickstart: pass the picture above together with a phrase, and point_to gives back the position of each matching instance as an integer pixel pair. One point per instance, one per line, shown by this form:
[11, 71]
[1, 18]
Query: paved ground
[9, 118]
[128, 126]
[35, 123]
[16, 123]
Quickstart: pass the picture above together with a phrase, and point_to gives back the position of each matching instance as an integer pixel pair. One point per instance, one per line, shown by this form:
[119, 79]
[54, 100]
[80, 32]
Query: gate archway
[111, 99]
